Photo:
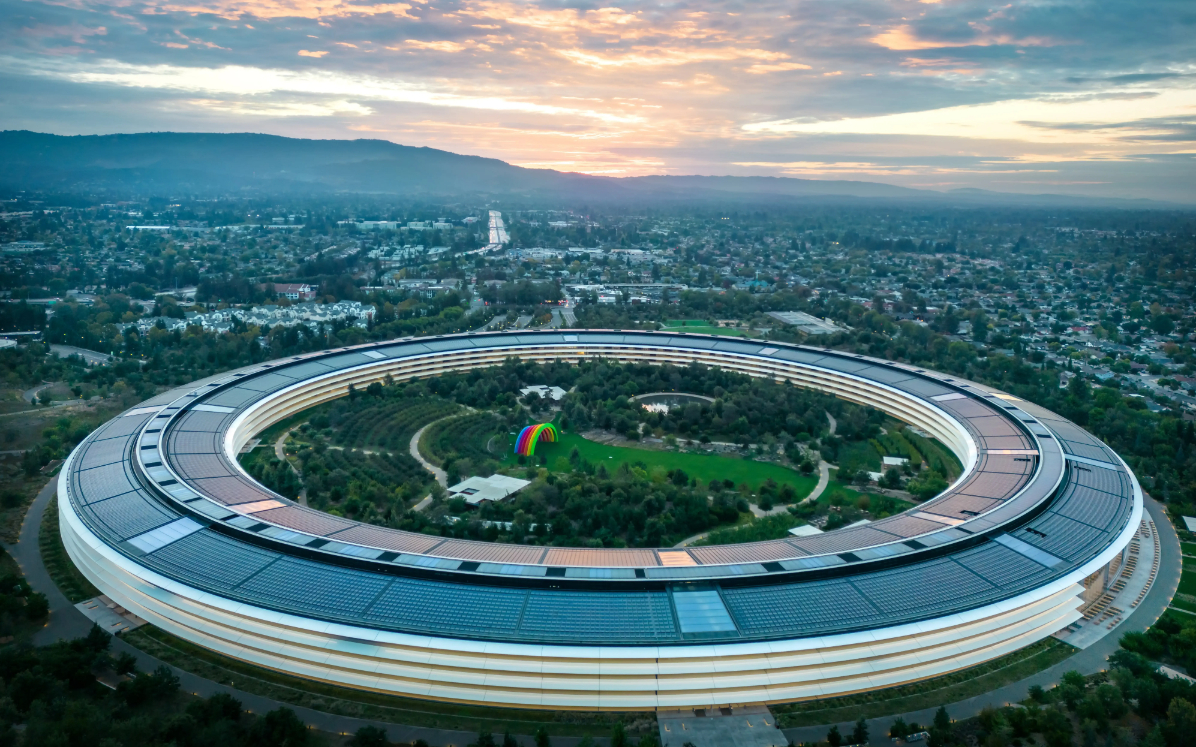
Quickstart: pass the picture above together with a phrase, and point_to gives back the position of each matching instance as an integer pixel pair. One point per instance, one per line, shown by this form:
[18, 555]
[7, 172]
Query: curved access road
[1087, 661]
[66, 623]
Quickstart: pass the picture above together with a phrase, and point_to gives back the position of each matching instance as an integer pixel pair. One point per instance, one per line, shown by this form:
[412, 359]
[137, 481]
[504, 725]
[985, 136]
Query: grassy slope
[704, 467]
[929, 693]
[66, 576]
[370, 705]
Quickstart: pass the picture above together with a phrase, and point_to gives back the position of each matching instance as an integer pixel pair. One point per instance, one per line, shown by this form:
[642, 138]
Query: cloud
[768, 87]
[438, 46]
[776, 67]
[1129, 78]
[268, 9]
[904, 38]
[280, 109]
[1008, 120]
[232, 80]
[649, 57]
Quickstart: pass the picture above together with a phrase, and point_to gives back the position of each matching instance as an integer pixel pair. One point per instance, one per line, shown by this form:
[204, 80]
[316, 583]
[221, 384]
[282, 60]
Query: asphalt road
[1088, 661]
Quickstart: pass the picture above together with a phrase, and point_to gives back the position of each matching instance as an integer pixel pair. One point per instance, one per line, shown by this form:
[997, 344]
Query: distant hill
[177, 163]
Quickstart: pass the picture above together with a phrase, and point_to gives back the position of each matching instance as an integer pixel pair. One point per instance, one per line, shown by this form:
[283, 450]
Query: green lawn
[1187, 581]
[1189, 548]
[727, 331]
[928, 693]
[701, 466]
[1184, 605]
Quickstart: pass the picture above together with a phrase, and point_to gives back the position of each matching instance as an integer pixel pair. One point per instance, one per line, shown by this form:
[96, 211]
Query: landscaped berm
[378, 580]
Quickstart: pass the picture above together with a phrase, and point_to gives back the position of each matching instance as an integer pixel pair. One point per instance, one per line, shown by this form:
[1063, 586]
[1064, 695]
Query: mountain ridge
[177, 162]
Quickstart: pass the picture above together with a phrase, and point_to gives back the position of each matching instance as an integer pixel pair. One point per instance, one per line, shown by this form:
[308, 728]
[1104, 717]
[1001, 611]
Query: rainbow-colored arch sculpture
[525, 445]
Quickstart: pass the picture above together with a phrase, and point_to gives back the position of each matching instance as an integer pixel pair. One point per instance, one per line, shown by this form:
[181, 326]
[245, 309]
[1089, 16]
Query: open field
[707, 330]
[703, 467]
[1187, 581]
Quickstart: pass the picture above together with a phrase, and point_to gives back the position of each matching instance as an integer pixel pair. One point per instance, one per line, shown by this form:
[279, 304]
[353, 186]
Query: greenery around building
[1159, 446]
[663, 480]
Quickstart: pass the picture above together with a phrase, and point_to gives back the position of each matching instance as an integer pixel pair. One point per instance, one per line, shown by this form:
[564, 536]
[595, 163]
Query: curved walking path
[65, 621]
[824, 479]
[441, 475]
[1087, 661]
[280, 452]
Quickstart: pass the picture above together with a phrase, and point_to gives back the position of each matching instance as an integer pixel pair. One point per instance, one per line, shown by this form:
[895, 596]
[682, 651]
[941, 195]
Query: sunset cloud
[957, 92]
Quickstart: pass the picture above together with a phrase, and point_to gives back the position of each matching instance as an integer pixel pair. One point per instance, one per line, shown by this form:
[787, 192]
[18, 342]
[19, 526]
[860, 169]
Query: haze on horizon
[1067, 96]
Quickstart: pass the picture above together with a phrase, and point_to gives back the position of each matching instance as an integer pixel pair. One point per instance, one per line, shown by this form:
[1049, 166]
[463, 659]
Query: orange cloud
[655, 57]
[776, 68]
[305, 53]
[904, 39]
[438, 46]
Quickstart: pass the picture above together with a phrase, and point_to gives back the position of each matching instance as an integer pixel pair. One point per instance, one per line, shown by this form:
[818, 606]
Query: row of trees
[745, 409]
[53, 694]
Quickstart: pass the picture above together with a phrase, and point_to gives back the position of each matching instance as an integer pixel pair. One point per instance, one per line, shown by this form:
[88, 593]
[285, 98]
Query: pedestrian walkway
[1125, 591]
[413, 447]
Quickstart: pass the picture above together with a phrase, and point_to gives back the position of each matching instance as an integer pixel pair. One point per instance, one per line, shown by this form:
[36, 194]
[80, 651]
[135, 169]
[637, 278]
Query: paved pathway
[280, 452]
[824, 479]
[1090, 660]
[93, 357]
[30, 394]
[65, 621]
[413, 447]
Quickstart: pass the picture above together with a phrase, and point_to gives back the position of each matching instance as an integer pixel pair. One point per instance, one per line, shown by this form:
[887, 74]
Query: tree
[279, 728]
[1161, 324]
[859, 735]
[542, 739]
[618, 736]
[126, 663]
[941, 733]
[369, 736]
[833, 737]
[899, 729]
[509, 741]
[1181, 721]
[37, 606]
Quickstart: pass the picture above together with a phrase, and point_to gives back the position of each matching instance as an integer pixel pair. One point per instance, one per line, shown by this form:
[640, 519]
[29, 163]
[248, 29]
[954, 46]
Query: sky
[1093, 97]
